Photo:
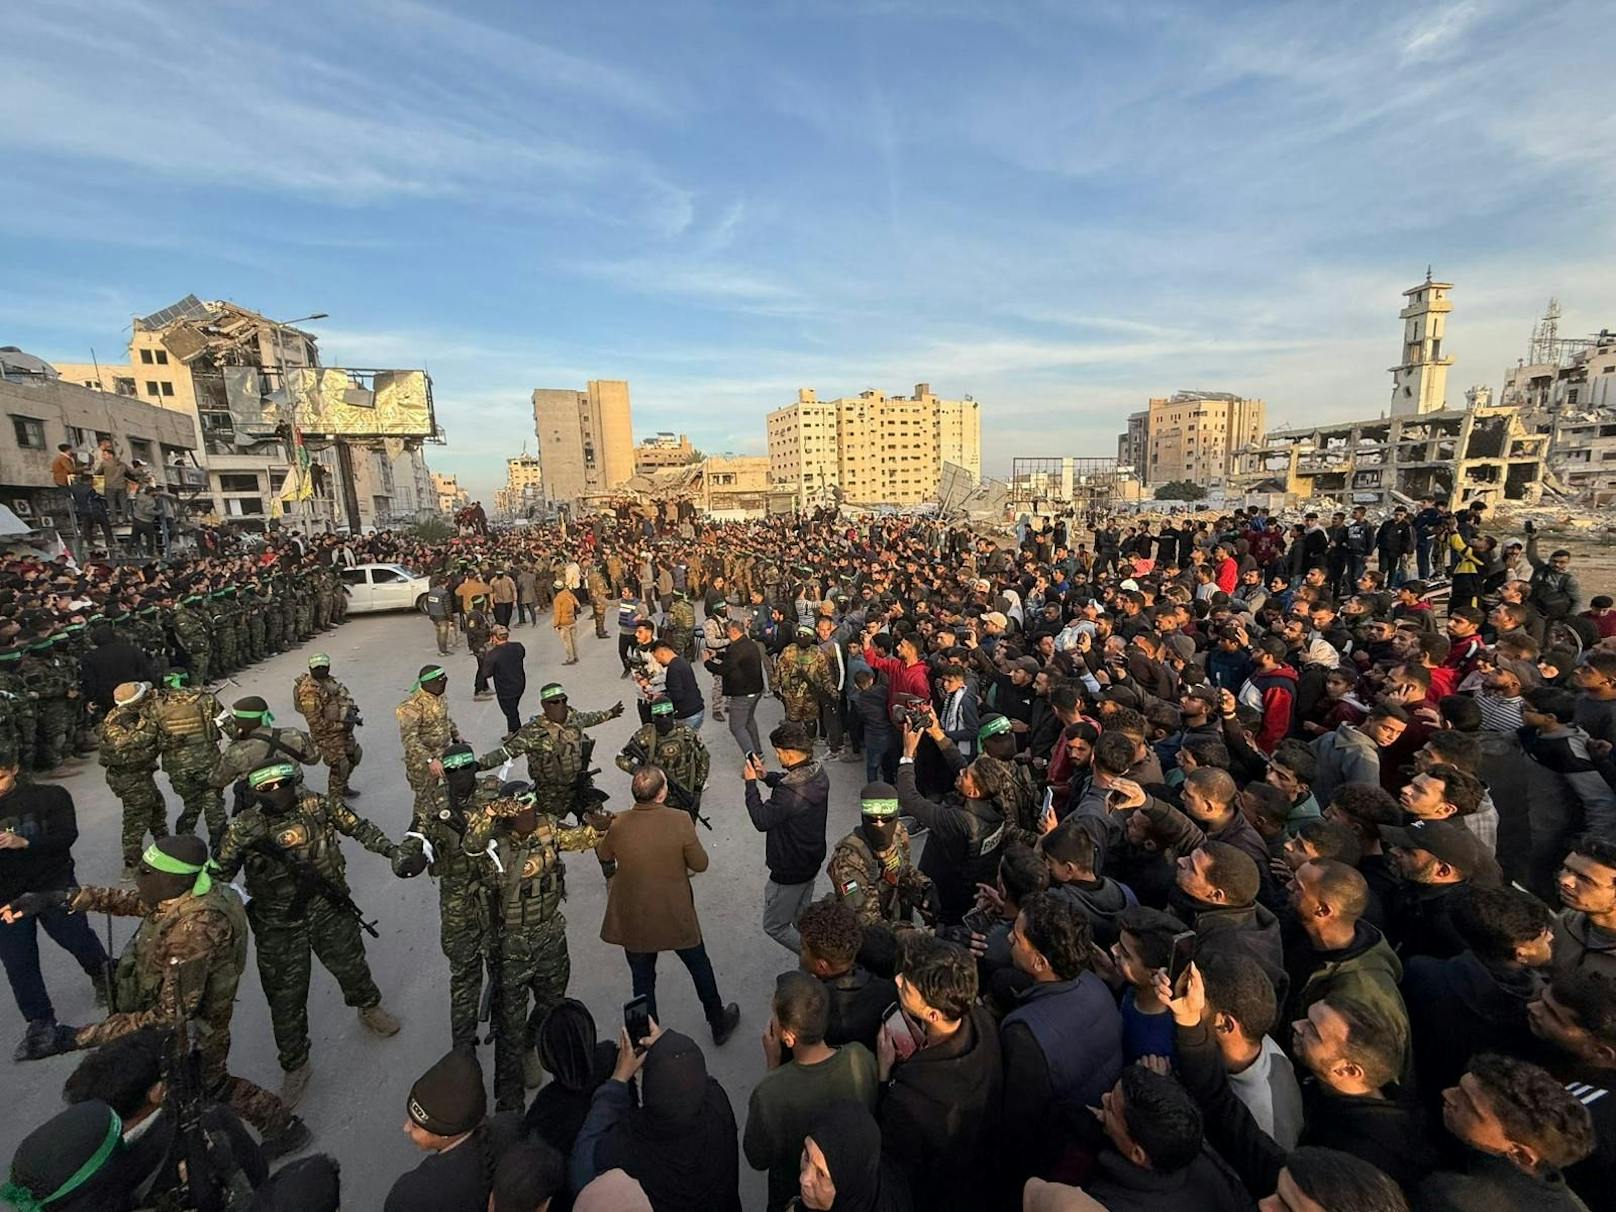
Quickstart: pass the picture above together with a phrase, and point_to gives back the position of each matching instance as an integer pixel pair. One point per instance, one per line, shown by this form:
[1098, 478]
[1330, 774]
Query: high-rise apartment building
[1190, 435]
[871, 448]
[586, 442]
[524, 484]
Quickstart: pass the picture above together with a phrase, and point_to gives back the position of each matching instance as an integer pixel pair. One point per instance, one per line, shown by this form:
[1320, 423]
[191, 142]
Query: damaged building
[1421, 447]
[1483, 453]
[1565, 388]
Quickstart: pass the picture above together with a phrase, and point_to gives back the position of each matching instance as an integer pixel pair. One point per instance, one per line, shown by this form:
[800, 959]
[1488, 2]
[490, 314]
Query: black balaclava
[878, 815]
[274, 787]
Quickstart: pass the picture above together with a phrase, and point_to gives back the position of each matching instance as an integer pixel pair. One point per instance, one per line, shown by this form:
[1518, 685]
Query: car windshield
[404, 572]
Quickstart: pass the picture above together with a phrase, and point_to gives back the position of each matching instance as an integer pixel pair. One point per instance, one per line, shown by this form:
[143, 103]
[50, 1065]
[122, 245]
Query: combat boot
[378, 1020]
[295, 1084]
[291, 1139]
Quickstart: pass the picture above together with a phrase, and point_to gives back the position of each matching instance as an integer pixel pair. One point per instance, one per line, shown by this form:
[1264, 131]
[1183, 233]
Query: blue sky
[1058, 208]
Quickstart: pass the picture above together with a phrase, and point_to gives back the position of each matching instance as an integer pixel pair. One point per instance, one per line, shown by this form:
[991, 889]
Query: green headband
[158, 860]
[175, 680]
[266, 716]
[431, 675]
[24, 1200]
[994, 727]
[878, 807]
[456, 760]
[663, 708]
[270, 774]
[552, 691]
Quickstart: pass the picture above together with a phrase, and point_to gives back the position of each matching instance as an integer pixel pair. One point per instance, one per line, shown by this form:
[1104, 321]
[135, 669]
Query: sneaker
[482, 696]
[377, 1019]
[350, 793]
[295, 1084]
[293, 1138]
[725, 1026]
[623, 675]
[852, 757]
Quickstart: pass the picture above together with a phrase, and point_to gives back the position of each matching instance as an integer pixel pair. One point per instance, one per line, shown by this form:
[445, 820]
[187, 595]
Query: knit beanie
[449, 1099]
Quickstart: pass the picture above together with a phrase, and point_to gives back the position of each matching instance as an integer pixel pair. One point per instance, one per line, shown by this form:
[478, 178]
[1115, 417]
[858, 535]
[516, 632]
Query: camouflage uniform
[329, 708]
[222, 616]
[198, 943]
[190, 744]
[877, 893]
[21, 708]
[532, 938]
[130, 743]
[303, 614]
[600, 596]
[274, 616]
[289, 923]
[458, 836]
[151, 636]
[322, 598]
[802, 678]
[680, 627]
[680, 754]
[426, 731]
[555, 755]
[257, 633]
[48, 681]
[194, 634]
[245, 754]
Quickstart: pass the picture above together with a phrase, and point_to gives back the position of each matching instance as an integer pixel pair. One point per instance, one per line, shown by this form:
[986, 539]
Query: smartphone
[898, 1030]
[1182, 955]
[754, 757]
[637, 1020]
[1048, 809]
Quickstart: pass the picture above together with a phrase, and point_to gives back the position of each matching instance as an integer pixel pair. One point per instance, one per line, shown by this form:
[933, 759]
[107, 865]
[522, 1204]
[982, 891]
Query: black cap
[1450, 841]
[449, 1099]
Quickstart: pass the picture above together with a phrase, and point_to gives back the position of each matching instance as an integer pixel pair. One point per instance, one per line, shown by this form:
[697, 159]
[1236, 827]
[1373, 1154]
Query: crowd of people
[1200, 864]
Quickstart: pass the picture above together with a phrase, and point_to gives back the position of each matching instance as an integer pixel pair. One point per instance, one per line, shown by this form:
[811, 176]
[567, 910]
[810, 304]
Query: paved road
[355, 1102]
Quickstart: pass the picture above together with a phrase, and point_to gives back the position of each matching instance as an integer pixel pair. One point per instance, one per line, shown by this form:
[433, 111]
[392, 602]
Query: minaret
[1420, 384]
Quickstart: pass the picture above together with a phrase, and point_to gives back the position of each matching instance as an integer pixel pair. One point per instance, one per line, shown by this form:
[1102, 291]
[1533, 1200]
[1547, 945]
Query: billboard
[360, 403]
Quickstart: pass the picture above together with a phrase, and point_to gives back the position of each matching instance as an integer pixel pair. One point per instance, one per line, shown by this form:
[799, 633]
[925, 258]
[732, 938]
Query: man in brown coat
[649, 907]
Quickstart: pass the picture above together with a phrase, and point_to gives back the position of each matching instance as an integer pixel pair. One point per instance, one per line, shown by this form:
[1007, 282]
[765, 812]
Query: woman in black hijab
[680, 1143]
[842, 1166]
[579, 1063]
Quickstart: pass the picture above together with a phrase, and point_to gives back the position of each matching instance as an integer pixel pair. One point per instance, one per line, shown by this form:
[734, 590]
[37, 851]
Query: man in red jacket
[1271, 689]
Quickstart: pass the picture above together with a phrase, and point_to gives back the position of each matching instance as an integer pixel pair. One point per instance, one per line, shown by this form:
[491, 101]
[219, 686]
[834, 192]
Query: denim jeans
[781, 905]
[694, 722]
[877, 747]
[19, 950]
[642, 966]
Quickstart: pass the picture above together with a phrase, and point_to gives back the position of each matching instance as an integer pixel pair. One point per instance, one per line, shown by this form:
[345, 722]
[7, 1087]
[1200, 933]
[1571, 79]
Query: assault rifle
[311, 884]
[206, 1173]
[679, 796]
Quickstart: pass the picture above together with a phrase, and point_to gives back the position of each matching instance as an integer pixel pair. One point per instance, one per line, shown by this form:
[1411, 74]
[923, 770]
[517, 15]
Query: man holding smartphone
[792, 821]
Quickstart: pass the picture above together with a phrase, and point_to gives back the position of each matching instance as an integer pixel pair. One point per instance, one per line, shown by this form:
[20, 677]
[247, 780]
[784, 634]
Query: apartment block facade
[1190, 435]
[872, 448]
[586, 442]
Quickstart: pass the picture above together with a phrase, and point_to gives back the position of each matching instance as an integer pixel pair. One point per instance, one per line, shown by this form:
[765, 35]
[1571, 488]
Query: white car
[383, 587]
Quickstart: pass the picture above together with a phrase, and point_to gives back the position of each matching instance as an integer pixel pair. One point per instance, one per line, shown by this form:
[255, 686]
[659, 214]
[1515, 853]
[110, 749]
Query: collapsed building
[1420, 447]
[1481, 453]
[1565, 388]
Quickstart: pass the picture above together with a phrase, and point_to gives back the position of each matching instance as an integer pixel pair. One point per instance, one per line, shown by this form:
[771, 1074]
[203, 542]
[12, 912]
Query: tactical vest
[558, 764]
[535, 880]
[184, 719]
[138, 982]
[128, 740]
[305, 835]
[889, 903]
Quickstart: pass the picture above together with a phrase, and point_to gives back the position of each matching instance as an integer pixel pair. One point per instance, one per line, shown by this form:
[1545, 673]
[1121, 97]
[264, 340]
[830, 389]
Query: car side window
[354, 576]
[386, 576]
